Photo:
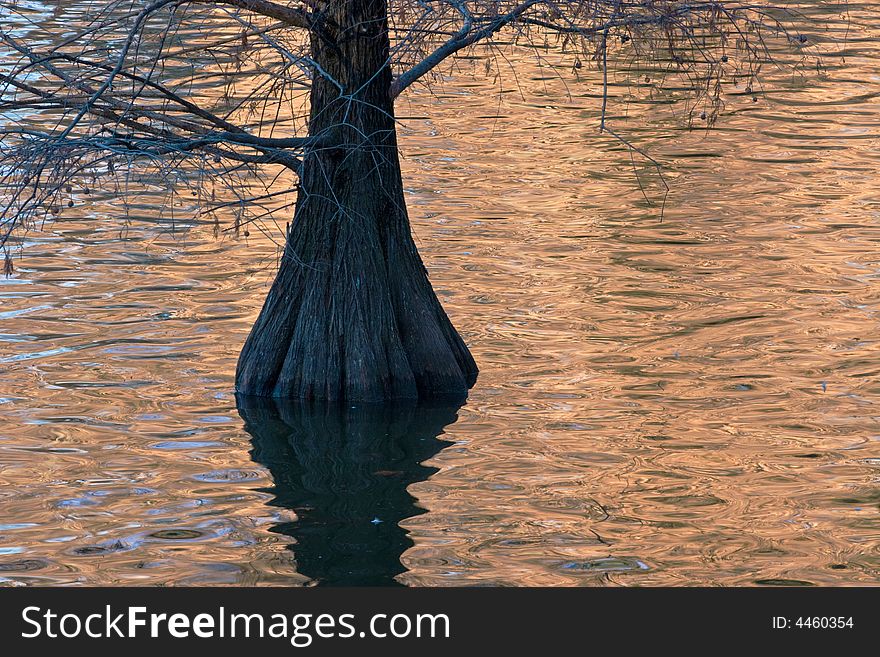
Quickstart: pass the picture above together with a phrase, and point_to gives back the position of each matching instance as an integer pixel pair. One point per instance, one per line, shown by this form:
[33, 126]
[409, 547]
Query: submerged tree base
[360, 324]
[352, 315]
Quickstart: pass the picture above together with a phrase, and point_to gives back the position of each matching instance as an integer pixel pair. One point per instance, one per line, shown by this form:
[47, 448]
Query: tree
[351, 314]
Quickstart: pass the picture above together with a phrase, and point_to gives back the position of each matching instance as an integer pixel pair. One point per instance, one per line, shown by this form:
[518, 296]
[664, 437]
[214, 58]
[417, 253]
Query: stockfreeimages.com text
[300, 629]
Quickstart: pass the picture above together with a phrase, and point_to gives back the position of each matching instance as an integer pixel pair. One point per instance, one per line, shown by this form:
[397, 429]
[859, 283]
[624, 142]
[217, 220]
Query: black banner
[434, 621]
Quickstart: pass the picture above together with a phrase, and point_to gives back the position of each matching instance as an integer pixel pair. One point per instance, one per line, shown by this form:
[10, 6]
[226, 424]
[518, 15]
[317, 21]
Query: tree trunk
[351, 314]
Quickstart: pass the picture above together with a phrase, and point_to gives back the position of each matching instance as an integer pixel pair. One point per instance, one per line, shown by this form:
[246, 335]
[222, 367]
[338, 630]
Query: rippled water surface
[690, 400]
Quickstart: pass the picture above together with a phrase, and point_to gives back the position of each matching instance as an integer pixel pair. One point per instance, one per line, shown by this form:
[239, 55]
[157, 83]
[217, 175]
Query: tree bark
[351, 314]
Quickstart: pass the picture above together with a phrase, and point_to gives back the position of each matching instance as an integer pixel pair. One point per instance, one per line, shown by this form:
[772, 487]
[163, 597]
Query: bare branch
[465, 37]
[125, 91]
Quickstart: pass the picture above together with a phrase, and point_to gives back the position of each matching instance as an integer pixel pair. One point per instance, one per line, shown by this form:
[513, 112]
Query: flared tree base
[352, 316]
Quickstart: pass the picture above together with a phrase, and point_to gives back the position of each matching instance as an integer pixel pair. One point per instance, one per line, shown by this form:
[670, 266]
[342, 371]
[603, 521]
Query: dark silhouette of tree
[345, 471]
[352, 314]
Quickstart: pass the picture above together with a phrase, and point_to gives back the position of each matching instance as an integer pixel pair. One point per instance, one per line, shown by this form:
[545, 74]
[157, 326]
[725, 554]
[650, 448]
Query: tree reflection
[345, 471]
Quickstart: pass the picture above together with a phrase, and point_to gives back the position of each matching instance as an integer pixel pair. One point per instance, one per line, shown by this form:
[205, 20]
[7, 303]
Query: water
[661, 402]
